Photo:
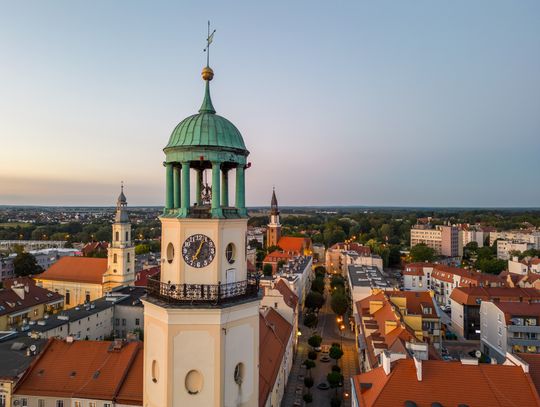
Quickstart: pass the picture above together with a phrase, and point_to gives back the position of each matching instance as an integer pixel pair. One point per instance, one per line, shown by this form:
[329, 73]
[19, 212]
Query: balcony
[523, 342]
[524, 328]
[209, 294]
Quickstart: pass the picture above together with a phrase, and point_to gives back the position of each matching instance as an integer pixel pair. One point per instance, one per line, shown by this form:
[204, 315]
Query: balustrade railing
[202, 293]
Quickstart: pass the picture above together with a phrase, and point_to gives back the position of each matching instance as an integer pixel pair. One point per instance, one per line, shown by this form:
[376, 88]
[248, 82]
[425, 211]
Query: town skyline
[377, 112]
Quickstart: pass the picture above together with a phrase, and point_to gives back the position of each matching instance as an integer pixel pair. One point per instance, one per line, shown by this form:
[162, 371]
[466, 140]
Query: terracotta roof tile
[274, 334]
[23, 294]
[83, 369]
[294, 244]
[448, 383]
[79, 269]
[472, 295]
[142, 276]
[290, 298]
[533, 359]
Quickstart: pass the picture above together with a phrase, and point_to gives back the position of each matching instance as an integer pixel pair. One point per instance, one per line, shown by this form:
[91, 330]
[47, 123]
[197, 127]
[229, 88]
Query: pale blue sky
[362, 102]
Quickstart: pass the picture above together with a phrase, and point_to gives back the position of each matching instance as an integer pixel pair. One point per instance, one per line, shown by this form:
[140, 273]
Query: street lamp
[341, 328]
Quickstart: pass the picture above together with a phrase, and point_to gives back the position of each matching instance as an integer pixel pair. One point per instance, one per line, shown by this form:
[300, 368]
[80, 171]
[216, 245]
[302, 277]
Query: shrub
[308, 398]
[315, 341]
[308, 382]
[312, 355]
[310, 320]
[336, 368]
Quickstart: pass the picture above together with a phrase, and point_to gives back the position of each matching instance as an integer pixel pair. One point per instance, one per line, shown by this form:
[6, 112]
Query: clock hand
[196, 256]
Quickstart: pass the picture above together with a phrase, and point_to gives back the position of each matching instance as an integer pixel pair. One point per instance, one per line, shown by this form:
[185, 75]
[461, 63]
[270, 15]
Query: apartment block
[441, 238]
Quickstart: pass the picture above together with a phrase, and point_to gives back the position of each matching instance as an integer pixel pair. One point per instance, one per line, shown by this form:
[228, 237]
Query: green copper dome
[206, 130]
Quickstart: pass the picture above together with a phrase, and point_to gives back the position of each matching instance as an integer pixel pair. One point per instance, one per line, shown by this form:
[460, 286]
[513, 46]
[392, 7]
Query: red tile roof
[276, 256]
[533, 360]
[131, 390]
[290, 298]
[78, 269]
[22, 295]
[84, 369]
[472, 295]
[516, 309]
[295, 245]
[274, 334]
[141, 280]
[448, 383]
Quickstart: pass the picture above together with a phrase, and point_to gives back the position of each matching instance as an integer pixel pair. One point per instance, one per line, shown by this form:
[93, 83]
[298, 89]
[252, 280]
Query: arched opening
[155, 371]
[115, 258]
[117, 236]
[170, 253]
[239, 373]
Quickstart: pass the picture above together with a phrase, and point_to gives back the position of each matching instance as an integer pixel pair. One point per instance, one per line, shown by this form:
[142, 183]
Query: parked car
[323, 386]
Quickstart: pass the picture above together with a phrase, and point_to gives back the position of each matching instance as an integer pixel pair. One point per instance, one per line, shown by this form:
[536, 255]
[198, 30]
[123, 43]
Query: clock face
[198, 250]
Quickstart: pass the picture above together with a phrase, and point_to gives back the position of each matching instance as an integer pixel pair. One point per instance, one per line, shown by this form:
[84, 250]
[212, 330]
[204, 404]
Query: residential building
[22, 301]
[256, 234]
[273, 232]
[352, 257]
[17, 352]
[84, 373]
[128, 311]
[362, 279]
[279, 296]
[7, 270]
[400, 322]
[528, 235]
[84, 279]
[528, 264]
[441, 238]
[509, 327]
[506, 247]
[335, 256]
[276, 351]
[319, 252]
[472, 233]
[413, 382]
[443, 279]
[276, 259]
[465, 305]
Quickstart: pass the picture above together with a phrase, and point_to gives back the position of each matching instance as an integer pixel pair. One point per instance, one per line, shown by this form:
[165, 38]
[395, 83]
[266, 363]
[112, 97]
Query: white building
[512, 327]
[506, 247]
[363, 279]
[530, 236]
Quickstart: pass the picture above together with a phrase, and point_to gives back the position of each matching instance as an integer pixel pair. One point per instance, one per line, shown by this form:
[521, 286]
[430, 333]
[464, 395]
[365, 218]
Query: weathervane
[209, 40]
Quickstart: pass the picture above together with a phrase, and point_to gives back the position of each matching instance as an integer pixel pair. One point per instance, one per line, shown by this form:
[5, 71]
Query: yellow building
[21, 301]
[84, 279]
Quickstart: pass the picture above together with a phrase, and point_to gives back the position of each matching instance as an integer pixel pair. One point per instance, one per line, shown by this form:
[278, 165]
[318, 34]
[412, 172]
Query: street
[328, 329]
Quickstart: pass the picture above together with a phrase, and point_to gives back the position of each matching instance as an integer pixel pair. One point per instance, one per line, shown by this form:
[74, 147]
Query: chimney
[418, 366]
[386, 362]
[27, 288]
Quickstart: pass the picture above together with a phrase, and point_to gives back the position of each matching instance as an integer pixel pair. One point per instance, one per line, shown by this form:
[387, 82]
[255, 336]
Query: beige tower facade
[201, 315]
[121, 253]
[273, 232]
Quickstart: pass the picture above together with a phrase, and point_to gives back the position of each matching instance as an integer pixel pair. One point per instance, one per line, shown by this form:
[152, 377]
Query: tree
[318, 285]
[337, 281]
[308, 398]
[314, 300]
[335, 402]
[335, 353]
[267, 269]
[142, 249]
[309, 364]
[320, 271]
[334, 379]
[310, 320]
[394, 256]
[422, 253]
[25, 264]
[339, 303]
[491, 266]
[280, 264]
[315, 341]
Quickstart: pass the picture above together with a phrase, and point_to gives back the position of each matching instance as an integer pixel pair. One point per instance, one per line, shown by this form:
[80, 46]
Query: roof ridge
[126, 371]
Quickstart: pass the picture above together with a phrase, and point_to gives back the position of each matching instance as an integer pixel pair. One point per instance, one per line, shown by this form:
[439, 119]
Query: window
[2, 400]
[24, 402]
[35, 312]
[123, 322]
[137, 322]
[115, 258]
[87, 296]
[128, 257]
[127, 235]
[92, 404]
[117, 321]
[117, 236]
[107, 405]
[59, 403]
[68, 297]
[77, 404]
[41, 403]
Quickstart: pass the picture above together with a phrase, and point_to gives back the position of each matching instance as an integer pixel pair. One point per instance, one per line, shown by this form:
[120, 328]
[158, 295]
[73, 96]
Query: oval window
[155, 371]
[170, 253]
[239, 373]
[230, 253]
[194, 382]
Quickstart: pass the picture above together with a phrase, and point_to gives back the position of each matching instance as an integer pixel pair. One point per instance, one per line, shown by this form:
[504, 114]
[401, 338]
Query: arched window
[117, 236]
[115, 258]
[127, 236]
[128, 257]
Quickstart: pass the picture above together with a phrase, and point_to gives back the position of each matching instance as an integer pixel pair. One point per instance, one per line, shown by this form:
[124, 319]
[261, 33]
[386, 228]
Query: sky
[393, 103]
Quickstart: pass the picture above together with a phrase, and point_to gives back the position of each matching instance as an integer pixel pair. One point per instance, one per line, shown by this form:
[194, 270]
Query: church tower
[273, 233]
[201, 315]
[121, 253]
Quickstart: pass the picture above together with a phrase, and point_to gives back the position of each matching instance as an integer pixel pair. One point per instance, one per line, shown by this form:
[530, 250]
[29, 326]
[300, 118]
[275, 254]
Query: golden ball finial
[207, 73]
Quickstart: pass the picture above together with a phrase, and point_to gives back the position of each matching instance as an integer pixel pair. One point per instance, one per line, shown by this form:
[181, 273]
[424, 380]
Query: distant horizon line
[293, 207]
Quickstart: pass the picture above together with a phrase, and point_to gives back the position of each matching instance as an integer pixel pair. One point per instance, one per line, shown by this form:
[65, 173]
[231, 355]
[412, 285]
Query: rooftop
[445, 383]
[23, 294]
[77, 269]
[367, 276]
[16, 355]
[474, 295]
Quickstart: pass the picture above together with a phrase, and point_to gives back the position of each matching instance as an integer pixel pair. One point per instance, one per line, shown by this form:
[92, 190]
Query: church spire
[274, 210]
[121, 206]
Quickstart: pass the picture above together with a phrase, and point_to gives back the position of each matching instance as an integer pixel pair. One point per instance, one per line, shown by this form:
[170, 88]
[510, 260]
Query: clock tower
[201, 315]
